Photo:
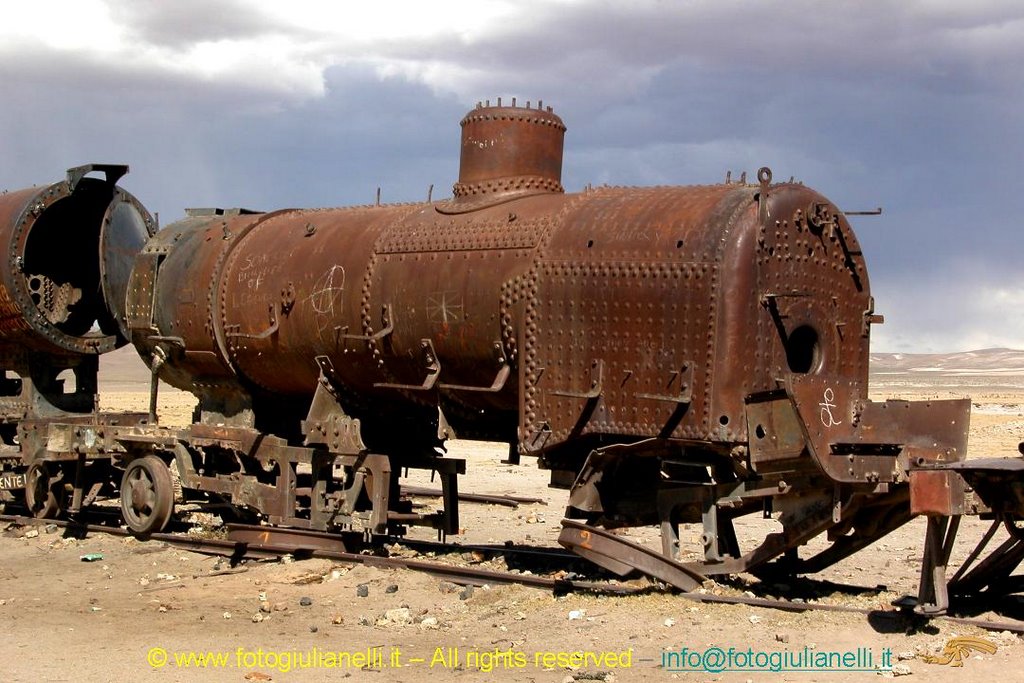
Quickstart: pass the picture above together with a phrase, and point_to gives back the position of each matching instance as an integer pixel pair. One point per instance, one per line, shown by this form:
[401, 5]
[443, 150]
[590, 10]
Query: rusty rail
[467, 575]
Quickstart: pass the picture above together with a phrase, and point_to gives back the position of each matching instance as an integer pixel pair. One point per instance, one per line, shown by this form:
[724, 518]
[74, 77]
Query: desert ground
[141, 610]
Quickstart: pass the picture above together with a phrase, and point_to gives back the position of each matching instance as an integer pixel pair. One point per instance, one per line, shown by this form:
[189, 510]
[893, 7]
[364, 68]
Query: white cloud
[390, 21]
[474, 46]
[939, 314]
[84, 26]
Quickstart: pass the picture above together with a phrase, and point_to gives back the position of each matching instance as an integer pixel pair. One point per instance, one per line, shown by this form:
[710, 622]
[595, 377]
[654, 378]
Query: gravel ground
[139, 611]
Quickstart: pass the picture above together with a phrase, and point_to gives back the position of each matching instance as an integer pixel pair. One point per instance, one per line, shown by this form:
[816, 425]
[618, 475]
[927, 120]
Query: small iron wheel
[41, 494]
[1014, 525]
[147, 495]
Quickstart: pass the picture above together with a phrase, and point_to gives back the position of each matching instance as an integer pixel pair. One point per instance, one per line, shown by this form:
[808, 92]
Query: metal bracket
[113, 172]
[433, 367]
[764, 177]
[499, 381]
[596, 380]
[870, 318]
[933, 591]
[389, 326]
[274, 322]
[685, 395]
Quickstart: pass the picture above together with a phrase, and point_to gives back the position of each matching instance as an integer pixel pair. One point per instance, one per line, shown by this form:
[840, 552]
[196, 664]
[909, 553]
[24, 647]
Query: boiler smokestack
[510, 150]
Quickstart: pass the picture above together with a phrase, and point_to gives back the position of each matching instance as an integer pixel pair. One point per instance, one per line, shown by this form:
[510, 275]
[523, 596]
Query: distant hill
[123, 370]
[965, 363]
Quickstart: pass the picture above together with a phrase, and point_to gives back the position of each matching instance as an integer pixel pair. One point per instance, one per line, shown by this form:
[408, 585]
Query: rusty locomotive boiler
[68, 249]
[672, 354]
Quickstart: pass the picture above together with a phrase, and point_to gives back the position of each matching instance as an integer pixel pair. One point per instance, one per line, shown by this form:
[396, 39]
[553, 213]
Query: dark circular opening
[759, 431]
[803, 353]
[723, 420]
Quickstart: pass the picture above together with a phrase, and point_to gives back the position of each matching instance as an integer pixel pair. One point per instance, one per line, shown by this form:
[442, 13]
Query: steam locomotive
[671, 354]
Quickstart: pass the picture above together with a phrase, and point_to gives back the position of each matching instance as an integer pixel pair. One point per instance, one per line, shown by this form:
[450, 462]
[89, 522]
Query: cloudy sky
[916, 106]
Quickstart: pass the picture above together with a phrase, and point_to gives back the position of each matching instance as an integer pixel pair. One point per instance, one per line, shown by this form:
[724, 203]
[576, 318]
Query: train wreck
[672, 355]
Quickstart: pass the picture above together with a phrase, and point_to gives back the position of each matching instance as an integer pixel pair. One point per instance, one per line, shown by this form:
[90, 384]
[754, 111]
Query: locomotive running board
[622, 557]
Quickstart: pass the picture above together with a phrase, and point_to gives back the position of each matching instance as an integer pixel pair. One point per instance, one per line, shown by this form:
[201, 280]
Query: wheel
[1014, 525]
[147, 495]
[42, 495]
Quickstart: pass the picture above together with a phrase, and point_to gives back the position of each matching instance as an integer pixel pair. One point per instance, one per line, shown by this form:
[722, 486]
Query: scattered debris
[398, 615]
[221, 572]
[91, 557]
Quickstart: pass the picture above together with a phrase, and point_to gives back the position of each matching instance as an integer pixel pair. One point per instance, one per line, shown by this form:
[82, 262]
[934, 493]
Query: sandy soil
[136, 612]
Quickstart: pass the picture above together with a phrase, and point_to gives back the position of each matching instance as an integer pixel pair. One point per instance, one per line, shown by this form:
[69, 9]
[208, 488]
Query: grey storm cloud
[186, 22]
[912, 106]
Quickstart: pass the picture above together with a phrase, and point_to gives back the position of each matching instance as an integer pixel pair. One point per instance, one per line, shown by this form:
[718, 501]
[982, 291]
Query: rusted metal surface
[936, 492]
[67, 250]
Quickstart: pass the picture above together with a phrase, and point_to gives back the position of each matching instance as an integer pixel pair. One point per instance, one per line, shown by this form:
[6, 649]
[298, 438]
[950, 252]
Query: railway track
[252, 542]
